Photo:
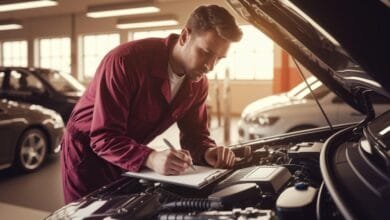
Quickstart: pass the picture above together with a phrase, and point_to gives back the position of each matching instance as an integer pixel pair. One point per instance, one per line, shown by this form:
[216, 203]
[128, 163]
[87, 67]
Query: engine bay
[279, 179]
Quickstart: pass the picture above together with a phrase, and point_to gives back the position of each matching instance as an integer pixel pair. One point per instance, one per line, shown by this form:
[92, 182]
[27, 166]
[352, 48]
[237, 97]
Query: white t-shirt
[175, 82]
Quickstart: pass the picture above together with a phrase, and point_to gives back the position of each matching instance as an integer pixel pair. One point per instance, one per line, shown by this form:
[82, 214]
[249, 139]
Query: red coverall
[124, 107]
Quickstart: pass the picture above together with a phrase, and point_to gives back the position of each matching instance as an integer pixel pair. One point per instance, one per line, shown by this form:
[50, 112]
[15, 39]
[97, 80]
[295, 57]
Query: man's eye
[204, 52]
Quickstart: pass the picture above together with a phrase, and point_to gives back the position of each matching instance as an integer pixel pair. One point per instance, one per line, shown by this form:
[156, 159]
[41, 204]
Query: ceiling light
[10, 25]
[146, 22]
[120, 10]
[13, 5]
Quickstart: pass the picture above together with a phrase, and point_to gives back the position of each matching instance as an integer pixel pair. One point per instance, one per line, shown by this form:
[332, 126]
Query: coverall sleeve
[114, 92]
[194, 131]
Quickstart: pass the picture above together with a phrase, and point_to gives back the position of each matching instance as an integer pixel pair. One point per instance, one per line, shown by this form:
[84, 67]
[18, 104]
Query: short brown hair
[214, 17]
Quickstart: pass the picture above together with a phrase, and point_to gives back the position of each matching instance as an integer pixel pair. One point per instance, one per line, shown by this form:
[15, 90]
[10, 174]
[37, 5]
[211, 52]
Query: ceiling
[69, 17]
[80, 6]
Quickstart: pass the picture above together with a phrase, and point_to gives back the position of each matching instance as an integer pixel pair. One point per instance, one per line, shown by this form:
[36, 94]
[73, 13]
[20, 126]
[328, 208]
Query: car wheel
[31, 150]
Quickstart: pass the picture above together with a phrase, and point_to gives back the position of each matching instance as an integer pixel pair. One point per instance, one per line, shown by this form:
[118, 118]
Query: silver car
[297, 110]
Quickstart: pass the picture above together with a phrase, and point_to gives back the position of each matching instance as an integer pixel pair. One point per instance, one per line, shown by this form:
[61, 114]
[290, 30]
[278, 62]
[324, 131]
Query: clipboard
[197, 179]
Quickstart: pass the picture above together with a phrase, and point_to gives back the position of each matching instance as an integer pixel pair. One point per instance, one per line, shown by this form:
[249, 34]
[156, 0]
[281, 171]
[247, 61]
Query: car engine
[279, 179]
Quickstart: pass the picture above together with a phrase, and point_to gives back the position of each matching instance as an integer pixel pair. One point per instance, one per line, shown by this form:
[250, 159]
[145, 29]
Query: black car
[46, 87]
[28, 134]
[333, 172]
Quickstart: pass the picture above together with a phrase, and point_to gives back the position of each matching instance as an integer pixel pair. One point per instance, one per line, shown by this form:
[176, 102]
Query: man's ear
[184, 36]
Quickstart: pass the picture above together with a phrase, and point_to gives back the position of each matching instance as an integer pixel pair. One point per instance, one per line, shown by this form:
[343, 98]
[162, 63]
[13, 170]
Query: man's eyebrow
[213, 52]
[208, 50]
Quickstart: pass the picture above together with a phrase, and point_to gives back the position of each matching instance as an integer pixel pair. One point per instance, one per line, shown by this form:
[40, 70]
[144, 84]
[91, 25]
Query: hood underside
[342, 43]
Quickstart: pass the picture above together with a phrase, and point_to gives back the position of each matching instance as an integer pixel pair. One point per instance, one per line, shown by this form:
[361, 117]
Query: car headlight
[263, 120]
[58, 122]
[267, 121]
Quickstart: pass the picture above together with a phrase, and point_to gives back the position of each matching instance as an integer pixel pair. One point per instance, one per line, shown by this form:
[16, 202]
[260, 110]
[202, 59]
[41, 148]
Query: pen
[173, 148]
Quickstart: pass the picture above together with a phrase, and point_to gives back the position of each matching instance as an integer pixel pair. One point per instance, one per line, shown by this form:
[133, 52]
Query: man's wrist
[205, 158]
[149, 160]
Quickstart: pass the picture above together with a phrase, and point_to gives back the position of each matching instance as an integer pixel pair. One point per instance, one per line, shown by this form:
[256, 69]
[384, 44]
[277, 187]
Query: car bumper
[56, 136]
[247, 131]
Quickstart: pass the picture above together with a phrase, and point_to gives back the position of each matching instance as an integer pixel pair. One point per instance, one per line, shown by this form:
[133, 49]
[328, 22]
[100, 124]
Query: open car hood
[345, 44]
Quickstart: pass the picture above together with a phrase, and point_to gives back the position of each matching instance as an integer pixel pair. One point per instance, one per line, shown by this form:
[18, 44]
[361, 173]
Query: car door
[22, 86]
[345, 113]
[7, 133]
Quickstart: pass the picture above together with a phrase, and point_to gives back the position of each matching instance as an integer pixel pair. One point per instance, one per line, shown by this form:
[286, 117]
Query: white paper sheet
[197, 178]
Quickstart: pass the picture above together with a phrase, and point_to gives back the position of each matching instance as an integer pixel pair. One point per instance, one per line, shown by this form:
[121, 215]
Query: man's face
[201, 52]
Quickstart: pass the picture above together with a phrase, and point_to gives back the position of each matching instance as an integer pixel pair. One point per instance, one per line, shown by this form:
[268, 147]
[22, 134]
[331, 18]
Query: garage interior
[69, 34]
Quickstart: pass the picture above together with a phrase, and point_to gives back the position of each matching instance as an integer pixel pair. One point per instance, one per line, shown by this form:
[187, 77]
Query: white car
[297, 110]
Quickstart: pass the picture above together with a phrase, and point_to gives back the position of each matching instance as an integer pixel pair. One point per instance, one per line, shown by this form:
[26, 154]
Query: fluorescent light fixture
[10, 25]
[146, 22]
[24, 4]
[121, 10]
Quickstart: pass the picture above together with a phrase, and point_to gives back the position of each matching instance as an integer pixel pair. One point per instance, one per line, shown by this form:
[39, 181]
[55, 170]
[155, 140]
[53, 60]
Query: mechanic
[139, 90]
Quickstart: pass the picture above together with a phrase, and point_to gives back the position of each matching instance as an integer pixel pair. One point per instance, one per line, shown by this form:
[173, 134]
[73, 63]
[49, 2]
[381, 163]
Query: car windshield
[302, 92]
[301, 86]
[63, 82]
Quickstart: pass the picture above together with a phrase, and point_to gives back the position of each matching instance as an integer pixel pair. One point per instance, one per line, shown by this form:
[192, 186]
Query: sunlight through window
[95, 47]
[14, 53]
[249, 59]
[54, 53]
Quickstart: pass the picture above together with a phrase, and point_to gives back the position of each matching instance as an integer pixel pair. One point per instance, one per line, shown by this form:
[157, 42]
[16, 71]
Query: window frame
[2, 52]
[38, 53]
[81, 69]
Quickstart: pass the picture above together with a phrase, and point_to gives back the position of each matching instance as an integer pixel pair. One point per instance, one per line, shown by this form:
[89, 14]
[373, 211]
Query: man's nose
[210, 65]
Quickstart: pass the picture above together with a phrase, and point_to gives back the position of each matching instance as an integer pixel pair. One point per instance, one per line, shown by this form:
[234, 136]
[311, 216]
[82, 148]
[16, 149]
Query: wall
[242, 92]
[286, 73]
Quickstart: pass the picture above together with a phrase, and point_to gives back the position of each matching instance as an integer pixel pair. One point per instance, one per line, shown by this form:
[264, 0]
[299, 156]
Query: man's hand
[220, 157]
[169, 162]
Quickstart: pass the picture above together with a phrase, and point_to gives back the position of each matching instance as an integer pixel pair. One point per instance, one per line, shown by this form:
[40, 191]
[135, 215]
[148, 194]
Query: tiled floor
[35, 195]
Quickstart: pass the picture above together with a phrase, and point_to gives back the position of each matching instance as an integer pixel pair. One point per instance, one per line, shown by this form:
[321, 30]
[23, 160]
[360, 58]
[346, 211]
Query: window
[54, 53]
[22, 82]
[14, 53]
[249, 59]
[64, 83]
[95, 47]
[160, 33]
[301, 87]
[319, 90]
